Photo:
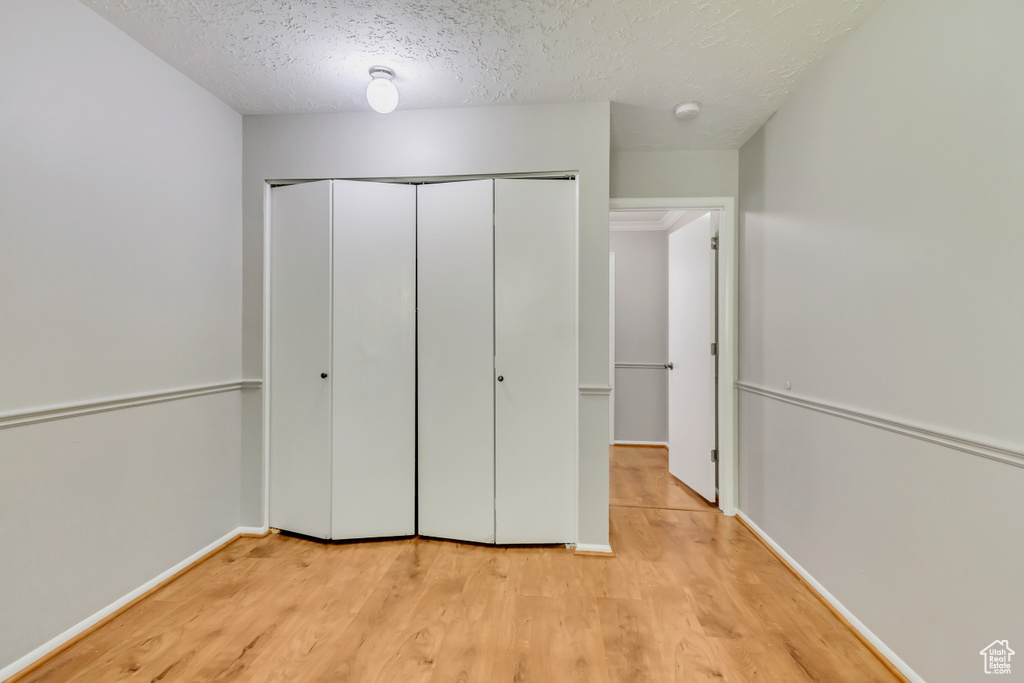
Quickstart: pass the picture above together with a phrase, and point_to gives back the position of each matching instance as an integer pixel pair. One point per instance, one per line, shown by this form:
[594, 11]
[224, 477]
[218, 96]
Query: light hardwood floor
[690, 595]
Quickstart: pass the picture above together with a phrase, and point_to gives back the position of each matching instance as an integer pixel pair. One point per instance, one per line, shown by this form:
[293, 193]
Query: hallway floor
[690, 595]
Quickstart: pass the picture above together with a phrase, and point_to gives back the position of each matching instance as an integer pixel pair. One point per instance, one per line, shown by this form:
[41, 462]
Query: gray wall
[685, 173]
[440, 142]
[641, 334]
[881, 260]
[120, 273]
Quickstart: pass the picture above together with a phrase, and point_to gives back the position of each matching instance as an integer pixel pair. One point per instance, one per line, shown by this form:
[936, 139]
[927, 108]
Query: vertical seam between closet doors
[416, 365]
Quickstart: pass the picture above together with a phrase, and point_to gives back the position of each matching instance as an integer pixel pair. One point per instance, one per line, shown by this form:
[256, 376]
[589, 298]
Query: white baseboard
[854, 621]
[641, 443]
[594, 548]
[252, 530]
[55, 642]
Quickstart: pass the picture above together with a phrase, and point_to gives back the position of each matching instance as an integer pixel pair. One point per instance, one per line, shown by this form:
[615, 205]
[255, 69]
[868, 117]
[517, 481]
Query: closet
[423, 359]
[343, 359]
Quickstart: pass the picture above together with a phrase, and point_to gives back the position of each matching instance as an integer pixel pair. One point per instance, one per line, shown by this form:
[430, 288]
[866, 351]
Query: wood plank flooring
[690, 596]
[640, 478]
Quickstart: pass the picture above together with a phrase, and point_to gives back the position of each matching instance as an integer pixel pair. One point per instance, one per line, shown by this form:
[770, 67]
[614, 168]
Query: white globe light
[381, 93]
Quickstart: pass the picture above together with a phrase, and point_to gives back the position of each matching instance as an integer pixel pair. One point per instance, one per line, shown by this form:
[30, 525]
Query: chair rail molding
[1004, 453]
[644, 366]
[29, 416]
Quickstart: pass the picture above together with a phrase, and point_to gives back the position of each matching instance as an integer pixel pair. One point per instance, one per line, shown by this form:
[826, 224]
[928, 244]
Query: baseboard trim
[593, 550]
[885, 655]
[642, 444]
[25, 665]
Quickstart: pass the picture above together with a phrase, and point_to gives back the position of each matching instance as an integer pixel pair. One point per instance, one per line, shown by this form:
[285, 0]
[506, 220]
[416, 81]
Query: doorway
[677, 388]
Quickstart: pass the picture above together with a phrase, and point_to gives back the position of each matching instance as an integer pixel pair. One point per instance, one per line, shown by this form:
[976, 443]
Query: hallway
[718, 604]
[690, 596]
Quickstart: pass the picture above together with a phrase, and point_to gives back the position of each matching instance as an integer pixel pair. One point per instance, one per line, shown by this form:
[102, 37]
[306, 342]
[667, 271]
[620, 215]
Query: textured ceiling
[740, 58]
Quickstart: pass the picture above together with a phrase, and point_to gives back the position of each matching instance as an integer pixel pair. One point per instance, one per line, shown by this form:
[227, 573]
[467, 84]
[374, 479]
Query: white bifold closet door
[497, 360]
[496, 408]
[456, 360]
[300, 350]
[535, 357]
[374, 360]
[342, 359]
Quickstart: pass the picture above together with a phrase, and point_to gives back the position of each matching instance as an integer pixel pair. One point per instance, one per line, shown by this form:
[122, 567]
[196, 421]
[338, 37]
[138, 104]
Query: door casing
[728, 336]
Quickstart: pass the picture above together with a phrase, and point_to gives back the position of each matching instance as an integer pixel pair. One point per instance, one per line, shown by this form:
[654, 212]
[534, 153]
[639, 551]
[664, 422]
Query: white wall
[440, 142]
[684, 173]
[641, 334]
[881, 257]
[120, 273]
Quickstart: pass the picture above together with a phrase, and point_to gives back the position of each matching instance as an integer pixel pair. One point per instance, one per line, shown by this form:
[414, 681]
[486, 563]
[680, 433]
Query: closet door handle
[500, 378]
[323, 375]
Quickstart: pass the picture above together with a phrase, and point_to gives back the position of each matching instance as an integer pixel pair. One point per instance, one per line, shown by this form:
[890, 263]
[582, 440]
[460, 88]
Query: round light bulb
[382, 95]
[687, 110]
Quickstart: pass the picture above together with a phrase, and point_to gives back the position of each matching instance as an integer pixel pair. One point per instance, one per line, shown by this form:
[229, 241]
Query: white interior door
[374, 373]
[535, 360]
[300, 350]
[456, 360]
[691, 396]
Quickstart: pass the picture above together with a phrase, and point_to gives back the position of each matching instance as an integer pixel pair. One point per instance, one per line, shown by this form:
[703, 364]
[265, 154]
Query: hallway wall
[120, 277]
[881, 254]
[641, 334]
[674, 173]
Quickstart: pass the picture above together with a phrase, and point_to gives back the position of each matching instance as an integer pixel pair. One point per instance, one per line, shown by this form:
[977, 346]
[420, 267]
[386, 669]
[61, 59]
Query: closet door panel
[300, 350]
[456, 361]
[535, 354]
[374, 380]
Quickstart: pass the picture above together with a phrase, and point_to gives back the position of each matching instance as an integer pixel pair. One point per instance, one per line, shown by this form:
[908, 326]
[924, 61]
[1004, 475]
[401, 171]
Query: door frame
[728, 333]
[611, 348]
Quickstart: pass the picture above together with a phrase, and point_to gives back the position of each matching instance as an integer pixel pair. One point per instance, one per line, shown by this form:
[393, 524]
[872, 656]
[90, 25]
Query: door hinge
[714, 348]
[714, 241]
[714, 455]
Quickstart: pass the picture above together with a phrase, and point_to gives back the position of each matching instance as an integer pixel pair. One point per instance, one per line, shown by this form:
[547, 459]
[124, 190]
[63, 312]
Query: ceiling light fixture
[687, 110]
[381, 93]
